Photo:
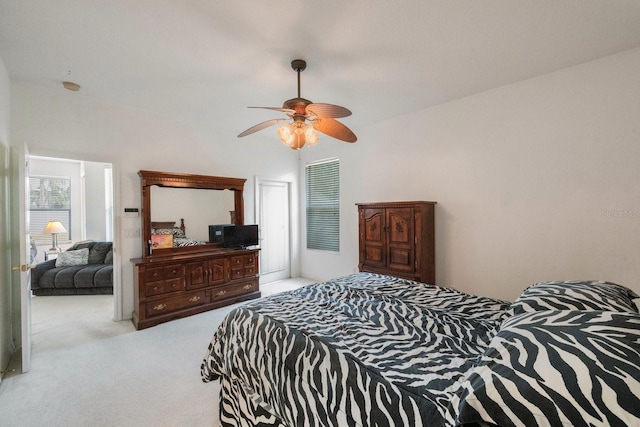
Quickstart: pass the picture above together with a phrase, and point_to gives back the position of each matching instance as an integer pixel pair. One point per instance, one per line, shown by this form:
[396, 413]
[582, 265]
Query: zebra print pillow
[570, 368]
[177, 232]
[591, 295]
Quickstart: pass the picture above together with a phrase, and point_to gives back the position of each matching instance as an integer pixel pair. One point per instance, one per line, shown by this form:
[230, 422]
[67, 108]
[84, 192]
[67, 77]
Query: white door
[273, 220]
[21, 248]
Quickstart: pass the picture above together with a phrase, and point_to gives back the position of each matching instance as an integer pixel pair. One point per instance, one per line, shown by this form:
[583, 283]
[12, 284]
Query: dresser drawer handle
[247, 287]
[160, 307]
[221, 293]
[194, 299]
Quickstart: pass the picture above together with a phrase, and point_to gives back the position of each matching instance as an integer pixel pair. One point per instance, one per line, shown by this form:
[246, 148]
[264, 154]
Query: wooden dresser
[175, 286]
[398, 239]
[175, 282]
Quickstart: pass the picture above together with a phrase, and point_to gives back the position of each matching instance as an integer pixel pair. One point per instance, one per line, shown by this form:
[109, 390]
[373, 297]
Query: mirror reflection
[199, 208]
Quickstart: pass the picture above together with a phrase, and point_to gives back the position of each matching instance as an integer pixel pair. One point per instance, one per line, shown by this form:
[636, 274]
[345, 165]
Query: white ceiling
[207, 60]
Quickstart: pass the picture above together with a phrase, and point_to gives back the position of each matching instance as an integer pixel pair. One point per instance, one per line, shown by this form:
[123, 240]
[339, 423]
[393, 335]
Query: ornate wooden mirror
[166, 185]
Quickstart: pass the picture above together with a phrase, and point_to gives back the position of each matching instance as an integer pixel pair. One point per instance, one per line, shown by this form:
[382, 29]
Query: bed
[178, 238]
[369, 349]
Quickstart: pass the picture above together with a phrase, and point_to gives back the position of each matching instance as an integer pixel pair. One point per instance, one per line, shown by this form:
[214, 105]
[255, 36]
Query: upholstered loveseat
[84, 269]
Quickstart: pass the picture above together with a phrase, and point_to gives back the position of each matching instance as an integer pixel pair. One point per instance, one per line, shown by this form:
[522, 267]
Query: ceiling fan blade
[334, 129]
[327, 110]
[260, 126]
[287, 111]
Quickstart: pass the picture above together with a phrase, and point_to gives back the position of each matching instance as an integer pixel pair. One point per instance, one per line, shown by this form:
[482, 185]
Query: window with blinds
[49, 200]
[322, 181]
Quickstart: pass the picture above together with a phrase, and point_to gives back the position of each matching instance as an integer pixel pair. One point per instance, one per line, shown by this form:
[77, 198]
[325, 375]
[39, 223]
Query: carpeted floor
[87, 370]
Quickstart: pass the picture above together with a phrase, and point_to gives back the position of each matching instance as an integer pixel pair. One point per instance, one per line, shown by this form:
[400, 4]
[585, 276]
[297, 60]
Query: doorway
[79, 195]
[273, 205]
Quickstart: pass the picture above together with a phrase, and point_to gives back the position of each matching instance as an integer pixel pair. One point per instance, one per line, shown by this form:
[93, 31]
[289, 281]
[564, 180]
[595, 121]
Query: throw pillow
[578, 295]
[69, 258]
[557, 368]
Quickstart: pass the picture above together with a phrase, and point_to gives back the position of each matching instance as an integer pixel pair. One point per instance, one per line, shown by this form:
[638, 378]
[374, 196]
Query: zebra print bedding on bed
[369, 349]
[364, 350]
[557, 368]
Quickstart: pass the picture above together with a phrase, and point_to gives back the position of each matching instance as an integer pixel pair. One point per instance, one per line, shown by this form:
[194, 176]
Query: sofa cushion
[60, 277]
[98, 252]
[108, 259]
[104, 277]
[70, 258]
[92, 276]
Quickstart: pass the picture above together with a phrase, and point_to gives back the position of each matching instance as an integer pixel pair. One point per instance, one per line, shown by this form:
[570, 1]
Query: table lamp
[54, 228]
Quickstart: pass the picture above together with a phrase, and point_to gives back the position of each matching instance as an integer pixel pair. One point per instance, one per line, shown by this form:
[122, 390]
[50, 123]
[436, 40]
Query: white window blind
[323, 205]
[49, 200]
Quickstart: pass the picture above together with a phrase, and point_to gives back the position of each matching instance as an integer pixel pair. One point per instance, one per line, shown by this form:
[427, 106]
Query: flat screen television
[240, 236]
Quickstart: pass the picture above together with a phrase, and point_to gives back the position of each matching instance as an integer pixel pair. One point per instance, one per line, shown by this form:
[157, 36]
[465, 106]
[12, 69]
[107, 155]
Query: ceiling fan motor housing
[299, 105]
[298, 65]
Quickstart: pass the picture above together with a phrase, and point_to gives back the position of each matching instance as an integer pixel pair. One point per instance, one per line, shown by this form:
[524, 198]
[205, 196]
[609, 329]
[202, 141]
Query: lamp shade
[54, 227]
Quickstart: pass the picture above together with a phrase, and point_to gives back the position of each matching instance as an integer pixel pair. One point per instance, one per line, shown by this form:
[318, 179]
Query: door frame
[259, 180]
[117, 262]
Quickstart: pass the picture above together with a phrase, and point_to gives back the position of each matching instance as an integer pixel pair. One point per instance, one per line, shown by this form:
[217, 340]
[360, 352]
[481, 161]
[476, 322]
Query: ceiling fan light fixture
[291, 138]
[321, 118]
[298, 134]
[311, 136]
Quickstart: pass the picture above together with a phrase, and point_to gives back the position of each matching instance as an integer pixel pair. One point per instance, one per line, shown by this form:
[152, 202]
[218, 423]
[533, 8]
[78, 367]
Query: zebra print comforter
[368, 350]
[362, 350]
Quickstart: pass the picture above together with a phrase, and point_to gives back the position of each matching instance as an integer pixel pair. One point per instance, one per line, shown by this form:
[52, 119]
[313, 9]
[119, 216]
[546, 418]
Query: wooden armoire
[398, 239]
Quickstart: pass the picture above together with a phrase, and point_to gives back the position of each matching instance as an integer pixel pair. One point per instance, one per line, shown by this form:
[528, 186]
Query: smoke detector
[71, 86]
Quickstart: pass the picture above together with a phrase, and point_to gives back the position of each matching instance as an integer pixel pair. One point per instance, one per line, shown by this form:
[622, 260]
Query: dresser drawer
[230, 291]
[174, 271]
[163, 287]
[237, 273]
[237, 261]
[178, 302]
[162, 272]
[154, 274]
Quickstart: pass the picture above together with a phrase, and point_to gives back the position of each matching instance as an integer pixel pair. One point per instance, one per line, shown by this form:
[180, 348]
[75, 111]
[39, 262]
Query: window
[49, 200]
[323, 205]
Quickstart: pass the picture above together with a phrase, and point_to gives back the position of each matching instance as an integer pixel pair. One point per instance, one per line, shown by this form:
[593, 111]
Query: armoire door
[373, 237]
[401, 238]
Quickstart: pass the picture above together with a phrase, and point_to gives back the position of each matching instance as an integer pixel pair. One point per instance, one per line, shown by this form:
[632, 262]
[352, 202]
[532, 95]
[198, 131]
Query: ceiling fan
[308, 119]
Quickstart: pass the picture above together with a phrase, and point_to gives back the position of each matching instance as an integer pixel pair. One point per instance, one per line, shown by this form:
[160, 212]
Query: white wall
[58, 123]
[534, 181]
[94, 201]
[6, 339]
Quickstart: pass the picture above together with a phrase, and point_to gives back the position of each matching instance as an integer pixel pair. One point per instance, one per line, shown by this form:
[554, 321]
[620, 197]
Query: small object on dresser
[161, 241]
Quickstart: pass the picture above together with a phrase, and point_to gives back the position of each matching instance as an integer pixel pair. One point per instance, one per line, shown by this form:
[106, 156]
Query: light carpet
[87, 370]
